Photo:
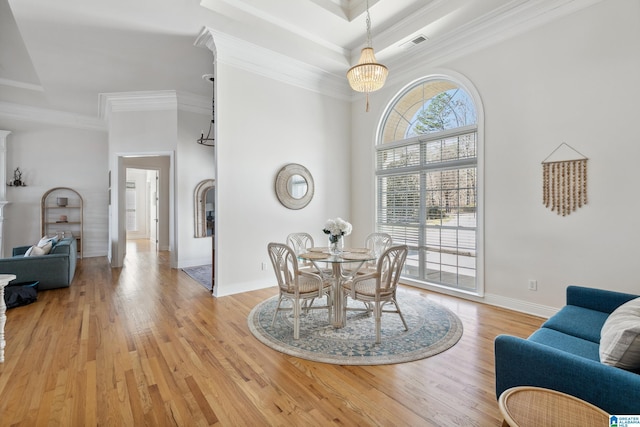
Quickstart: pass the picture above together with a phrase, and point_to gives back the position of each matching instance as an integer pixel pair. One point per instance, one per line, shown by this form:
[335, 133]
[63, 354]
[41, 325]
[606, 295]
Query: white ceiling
[60, 55]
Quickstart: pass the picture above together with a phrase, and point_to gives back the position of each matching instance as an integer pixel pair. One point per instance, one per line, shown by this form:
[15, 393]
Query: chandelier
[209, 140]
[368, 75]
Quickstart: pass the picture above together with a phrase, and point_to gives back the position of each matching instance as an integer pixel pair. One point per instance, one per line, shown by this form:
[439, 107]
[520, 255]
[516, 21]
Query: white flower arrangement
[337, 227]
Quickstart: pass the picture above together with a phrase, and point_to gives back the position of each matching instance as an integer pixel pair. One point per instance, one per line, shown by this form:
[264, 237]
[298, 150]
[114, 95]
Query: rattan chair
[377, 243]
[378, 289]
[300, 243]
[297, 286]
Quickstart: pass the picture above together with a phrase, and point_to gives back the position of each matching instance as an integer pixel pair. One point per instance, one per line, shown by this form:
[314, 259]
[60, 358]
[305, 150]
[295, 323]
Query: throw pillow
[46, 248]
[36, 250]
[46, 240]
[620, 337]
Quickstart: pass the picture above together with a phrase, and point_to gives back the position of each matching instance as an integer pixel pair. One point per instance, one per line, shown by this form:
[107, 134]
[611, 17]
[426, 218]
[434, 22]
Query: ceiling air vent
[414, 41]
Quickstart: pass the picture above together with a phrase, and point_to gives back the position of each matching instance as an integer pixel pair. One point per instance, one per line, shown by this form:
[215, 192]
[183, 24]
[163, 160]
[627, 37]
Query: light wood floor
[147, 345]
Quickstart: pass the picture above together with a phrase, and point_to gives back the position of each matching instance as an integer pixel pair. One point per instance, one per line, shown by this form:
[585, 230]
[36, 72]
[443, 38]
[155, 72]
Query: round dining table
[354, 258]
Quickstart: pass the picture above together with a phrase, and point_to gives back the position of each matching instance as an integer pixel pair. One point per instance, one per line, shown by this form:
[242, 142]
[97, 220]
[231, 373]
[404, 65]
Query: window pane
[400, 199]
[400, 157]
[449, 109]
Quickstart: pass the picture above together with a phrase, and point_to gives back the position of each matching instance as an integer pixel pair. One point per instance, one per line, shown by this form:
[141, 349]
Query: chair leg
[378, 311]
[307, 304]
[275, 313]
[345, 300]
[368, 307]
[296, 319]
[406, 328]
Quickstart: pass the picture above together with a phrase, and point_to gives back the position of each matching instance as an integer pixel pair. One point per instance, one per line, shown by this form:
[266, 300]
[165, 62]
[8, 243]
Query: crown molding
[171, 100]
[21, 85]
[258, 60]
[117, 102]
[194, 103]
[512, 19]
[52, 117]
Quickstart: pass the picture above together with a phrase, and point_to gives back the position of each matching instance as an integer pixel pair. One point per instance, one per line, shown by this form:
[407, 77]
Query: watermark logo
[624, 421]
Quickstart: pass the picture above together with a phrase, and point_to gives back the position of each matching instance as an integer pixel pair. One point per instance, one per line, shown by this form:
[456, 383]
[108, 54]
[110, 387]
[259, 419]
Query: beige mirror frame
[199, 206]
[288, 196]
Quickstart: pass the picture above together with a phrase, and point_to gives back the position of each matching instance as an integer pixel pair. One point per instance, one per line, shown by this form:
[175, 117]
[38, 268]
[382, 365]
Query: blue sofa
[564, 355]
[54, 270]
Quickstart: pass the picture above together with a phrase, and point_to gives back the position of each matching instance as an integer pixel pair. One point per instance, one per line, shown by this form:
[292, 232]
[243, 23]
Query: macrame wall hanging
[564, 182]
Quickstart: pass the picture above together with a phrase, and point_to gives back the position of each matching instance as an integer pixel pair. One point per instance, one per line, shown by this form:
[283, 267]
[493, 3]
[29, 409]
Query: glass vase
[336, 244]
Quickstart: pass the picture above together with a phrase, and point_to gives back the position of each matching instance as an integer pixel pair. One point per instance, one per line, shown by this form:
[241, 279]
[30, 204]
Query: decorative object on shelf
[294, 186]
[62, 201]
[17, 179]
[368, 75]
[210, 140]
[336, 228]
[564, 182]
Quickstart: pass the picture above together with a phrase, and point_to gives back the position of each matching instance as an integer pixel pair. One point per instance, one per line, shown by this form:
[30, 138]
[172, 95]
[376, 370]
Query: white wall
[50, 157]
[195, 163]
[137, 133]
[575, 81]
[262, 126]
[142, 134]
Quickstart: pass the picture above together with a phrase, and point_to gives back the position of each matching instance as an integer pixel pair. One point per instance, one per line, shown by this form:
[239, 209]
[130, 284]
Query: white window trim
[463, 82]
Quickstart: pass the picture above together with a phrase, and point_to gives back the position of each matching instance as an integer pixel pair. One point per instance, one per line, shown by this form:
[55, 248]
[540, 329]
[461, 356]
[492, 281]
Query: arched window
[427, 182]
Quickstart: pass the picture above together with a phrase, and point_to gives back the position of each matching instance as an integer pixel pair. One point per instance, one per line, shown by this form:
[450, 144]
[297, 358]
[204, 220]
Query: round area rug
[432, 330]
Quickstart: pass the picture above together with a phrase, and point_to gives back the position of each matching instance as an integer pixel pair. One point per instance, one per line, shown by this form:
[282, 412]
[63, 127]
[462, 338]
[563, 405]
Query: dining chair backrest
[390, 265]
[300, 242]
[285, 265]
[377, 243]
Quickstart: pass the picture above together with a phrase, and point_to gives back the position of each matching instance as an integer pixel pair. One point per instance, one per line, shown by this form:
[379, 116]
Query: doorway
[162, 164]
[141, 205]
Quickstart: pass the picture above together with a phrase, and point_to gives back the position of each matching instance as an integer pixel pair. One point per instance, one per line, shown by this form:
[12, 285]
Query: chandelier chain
[368, 26]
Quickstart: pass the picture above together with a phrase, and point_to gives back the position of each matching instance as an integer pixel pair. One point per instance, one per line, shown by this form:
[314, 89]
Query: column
[3, 184]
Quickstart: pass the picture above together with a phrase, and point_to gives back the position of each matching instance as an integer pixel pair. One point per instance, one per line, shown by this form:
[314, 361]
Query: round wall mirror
[294, 186]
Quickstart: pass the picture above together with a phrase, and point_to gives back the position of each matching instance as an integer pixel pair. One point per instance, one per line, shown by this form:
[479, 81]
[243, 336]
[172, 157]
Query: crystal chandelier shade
[367, 75]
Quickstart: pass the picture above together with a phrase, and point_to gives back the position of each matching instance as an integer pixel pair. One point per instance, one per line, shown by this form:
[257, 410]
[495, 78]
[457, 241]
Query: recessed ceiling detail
[58, 56]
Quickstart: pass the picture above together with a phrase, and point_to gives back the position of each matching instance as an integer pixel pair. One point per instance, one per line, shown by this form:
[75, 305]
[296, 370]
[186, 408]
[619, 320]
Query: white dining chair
[378, 289]
[297, 286]
[300, 242]
[377, 243]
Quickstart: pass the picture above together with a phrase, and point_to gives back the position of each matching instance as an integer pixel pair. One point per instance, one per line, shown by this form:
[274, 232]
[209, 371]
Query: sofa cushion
[579, 322]
[564, 342]
[620, 341]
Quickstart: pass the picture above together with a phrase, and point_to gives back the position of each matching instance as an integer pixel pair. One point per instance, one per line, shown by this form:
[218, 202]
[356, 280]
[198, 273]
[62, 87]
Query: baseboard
[491, 299]
[520, 305]
[95, 254]
[195, 262]
[237, 288]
